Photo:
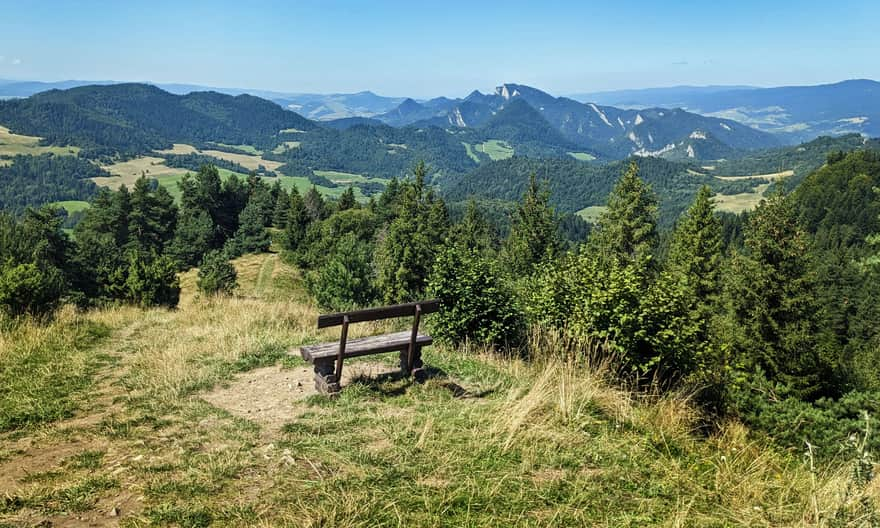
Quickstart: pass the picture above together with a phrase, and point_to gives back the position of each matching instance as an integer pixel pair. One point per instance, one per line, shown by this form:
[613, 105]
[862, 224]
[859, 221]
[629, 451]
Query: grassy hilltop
[200, 416]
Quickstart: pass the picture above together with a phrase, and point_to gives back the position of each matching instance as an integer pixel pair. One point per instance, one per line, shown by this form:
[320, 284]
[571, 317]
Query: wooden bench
[328, 357]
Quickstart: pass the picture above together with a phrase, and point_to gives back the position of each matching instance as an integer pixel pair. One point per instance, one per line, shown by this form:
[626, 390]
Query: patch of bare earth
[268, 396]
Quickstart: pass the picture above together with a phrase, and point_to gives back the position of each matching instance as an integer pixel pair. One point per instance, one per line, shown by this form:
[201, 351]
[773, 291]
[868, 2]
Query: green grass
[496, 149]
[591, 213]
[45, 370]
[286, 145]
[72, 206]
[250, 149]
[470, 152]
[582, 156]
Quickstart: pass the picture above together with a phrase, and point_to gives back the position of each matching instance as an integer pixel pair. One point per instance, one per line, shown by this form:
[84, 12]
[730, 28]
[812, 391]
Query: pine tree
[192, 239]
[251, 236]
[473, 232]
[282, 209]
[627, 230]
[314, 204]
[346, 200]
[152, 219]
[533, 234]
[771, 294]
[298, 221]
[406, 250]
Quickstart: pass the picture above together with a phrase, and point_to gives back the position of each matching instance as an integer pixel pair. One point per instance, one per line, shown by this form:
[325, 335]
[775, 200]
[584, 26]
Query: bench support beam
[326, 381]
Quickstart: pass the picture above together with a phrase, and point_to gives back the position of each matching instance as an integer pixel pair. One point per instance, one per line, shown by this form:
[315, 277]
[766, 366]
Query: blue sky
[426, 49]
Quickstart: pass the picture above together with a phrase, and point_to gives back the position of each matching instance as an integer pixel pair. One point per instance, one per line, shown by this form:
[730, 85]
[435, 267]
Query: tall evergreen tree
[314, 204]
[771, 294]
[282, 209]
[346, 200]
[298, 221]
[627, 230]
[473, 231]
[251, 236]
[152, 219]
[533, 234]
[406, 250]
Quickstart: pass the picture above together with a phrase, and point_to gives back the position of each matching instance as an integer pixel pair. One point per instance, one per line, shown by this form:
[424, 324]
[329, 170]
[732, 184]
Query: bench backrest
[375, 314]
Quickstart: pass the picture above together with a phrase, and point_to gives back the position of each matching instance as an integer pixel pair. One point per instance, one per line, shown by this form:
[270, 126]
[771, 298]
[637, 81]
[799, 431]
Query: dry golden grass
[179, 148]
[737, 203]
[487, 440]
[14, 144]
[128, 172]
[249, 161]
[771, 176]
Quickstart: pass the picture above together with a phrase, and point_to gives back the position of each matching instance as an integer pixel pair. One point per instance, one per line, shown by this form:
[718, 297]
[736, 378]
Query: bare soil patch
[268, 396]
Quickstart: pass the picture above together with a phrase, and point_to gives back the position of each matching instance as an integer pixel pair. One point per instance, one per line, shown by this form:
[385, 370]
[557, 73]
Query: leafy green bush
[216, 274]
[345, 280]
[25, 289]
[475, 304]
[152, 281]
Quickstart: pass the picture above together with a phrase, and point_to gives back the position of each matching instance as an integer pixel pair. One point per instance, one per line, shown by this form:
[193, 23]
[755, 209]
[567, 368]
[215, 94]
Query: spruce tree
[473, 232]
[346, 200]
[192, 239]
[282, 209]
[627, 230]
[314, 204]
[533, 234]
[251, 236]
[771, 295]
[695, 251]
[152, 219]
[406, 250]
[298, 221]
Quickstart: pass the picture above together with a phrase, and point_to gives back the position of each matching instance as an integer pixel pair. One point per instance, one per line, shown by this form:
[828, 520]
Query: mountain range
[794, 113]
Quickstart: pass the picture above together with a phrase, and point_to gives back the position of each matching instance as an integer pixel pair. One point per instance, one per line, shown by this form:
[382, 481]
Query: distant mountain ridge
[795, 113]
[610, 131]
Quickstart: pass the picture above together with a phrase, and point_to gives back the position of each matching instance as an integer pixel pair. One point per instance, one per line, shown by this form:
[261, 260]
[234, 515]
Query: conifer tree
[533, 234]
[152, 219]
[473, 232]
[251, 236]
[627, 231]
[406, 250]
[314, 203]
[346, 200]
[298, 221]
[282, 209]
[771, 294]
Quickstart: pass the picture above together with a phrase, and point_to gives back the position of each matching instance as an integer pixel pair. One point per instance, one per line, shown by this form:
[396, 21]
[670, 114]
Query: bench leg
[325, 377]
[417, 360]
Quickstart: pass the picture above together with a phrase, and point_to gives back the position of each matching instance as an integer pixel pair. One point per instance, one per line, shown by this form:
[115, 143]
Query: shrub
[25, 289]
[152, 281]
[345, 281]
[216, 274]
[475, 304]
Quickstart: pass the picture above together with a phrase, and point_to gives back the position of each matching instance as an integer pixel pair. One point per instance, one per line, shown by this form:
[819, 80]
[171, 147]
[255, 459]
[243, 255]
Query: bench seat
[363, 346]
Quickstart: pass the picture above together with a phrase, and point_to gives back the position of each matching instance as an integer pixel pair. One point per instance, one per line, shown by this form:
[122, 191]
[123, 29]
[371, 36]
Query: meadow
[204, 415]
[14, 144]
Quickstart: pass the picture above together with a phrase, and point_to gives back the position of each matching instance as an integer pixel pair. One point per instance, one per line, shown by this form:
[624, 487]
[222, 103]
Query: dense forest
[37, 180]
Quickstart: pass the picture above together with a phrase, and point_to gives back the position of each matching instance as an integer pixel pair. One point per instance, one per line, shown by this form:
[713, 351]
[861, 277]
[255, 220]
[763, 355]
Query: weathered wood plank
[375, 314]
[364, 346]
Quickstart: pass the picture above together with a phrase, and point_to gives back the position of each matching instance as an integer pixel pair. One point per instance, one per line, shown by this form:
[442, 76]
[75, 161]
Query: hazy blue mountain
[336, 106]
[610, 131]
[795, 113]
